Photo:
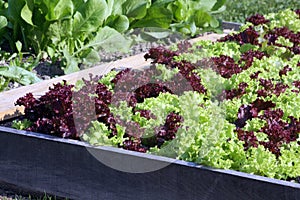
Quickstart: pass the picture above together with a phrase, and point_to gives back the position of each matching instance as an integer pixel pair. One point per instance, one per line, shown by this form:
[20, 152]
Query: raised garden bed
[67, 168]
[78, 170]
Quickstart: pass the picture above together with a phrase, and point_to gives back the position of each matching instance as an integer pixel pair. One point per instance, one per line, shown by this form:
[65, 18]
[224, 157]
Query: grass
[239, 10]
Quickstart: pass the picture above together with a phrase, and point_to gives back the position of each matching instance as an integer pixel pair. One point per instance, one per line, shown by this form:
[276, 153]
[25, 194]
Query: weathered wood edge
[147, 156]
[8, 98]
[67, 168]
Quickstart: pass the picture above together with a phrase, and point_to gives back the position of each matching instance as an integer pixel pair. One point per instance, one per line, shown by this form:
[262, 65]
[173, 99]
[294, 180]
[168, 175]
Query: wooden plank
[8, 98]
[67, 168]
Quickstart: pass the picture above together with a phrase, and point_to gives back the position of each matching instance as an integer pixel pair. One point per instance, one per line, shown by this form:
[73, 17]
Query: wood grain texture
[8, 98]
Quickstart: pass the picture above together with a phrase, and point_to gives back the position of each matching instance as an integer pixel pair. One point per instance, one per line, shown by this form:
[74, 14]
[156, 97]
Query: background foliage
[76, 30]
[238, 11]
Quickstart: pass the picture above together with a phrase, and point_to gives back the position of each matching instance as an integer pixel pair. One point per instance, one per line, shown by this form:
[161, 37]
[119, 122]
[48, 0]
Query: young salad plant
[229, 104]
[17, 71]
[76, 30]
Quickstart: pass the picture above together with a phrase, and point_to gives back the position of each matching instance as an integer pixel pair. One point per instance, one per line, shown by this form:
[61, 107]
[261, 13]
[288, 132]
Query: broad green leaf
[78, 3]
[246, 47]
[71, 62]
[110, 40]
[19, 46]
[39, 20]
[19, 75]
[59, 9]
[3, 83]
[207, 5]
[26, 14]
[3, 22]
[118, 22]
[193, 28]
[156, 17]
[181, 11]
[110, 6]
[91, 57]
[201, 18]
[59, 30]
[157, 33]
[220, 10]
[114, 7]
[162, 2]
[51, 52]
[89, 17]
[214, 23]
[136, 9]
[219, 4]
[14, 10]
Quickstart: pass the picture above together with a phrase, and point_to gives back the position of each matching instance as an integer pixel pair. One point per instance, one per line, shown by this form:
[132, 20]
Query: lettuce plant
[234, 110]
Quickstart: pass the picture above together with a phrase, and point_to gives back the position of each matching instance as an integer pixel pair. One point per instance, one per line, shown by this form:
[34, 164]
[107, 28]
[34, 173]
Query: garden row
[70, 34]
[230, 104]
[238, 11]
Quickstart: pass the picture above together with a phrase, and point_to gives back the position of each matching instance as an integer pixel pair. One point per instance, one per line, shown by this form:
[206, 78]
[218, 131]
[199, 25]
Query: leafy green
[208, 134]
[18, 74]
[135, 9]
[107, 78]
[64, 29]
[118, 22]
[16, 70]
[21, 125]
[290, 21]
[166, 74]
[238, 11]
[100, 135]
[3, 22]
[89, 17]
[253, 129]
[75, 30]
[156, 17]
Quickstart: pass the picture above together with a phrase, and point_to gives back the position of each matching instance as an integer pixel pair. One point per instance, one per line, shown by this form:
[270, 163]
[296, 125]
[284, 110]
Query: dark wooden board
[68, 168]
